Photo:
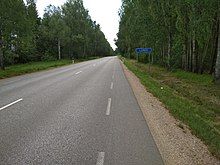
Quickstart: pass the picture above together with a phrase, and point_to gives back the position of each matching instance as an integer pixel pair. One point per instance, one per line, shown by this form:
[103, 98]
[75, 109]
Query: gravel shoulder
[174, 140]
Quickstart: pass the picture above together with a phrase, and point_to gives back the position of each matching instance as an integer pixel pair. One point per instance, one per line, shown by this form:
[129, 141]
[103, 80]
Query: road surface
[83, 114]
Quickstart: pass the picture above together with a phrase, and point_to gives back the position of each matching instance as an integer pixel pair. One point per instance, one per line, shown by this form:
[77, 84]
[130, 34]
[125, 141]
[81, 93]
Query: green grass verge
[191, 98]
[20, 69]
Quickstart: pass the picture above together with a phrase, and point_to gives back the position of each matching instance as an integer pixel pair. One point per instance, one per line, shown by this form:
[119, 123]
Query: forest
[183, 33]
[63, 32]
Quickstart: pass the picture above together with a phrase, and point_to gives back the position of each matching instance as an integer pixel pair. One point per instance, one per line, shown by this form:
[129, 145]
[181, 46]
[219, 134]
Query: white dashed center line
[112, 85]
[101, 157]
[108, 107]
[78, 72]
[6, 106]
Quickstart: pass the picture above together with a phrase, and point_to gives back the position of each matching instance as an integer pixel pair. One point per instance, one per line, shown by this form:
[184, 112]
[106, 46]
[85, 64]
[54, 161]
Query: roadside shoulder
[174, 140]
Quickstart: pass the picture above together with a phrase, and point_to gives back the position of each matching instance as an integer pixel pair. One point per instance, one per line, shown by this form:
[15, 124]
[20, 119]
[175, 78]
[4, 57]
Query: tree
[182, 33]
[19, 24]
[12, 24]
[67, 32]
[217, 67]
[56, 27]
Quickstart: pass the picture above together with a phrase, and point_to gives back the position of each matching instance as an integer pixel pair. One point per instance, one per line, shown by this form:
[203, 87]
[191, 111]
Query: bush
[10, 57]
[48, 57]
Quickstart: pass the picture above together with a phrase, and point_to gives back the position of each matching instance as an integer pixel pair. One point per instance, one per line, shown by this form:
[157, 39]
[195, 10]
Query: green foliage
[182, 33]
[204, 79]
[18, 26]
[47, 56]
[20, 69]
[66, 32]
[72, 26]
[10, 57]
[191, 98]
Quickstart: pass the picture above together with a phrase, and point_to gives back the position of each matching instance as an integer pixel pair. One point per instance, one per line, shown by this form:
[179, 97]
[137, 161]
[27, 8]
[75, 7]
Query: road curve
[83, 114]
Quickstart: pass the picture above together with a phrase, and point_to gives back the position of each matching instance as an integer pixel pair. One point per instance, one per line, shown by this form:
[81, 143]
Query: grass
[191, 98]
[20, 69]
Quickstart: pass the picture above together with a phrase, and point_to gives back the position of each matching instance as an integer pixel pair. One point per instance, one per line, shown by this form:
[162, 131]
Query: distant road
[83, 114]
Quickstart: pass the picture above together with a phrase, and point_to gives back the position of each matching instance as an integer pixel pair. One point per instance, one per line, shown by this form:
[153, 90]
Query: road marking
[6, 106]
[109, 107]
[100, 159]
[113, 76]
[112, 85]
[78, 72]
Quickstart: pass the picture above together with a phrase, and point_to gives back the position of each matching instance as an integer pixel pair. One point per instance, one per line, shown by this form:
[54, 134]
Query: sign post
[144, 50]
[149, 63]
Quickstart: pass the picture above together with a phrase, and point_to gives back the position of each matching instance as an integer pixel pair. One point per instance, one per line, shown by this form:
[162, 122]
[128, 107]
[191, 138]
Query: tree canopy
[63, 32]
[182, 33]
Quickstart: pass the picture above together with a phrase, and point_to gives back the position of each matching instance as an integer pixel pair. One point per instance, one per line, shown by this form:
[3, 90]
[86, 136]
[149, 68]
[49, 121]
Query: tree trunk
[1, 52]
[204, 54]
[129, 54]
[59, 54]
[187, 54]
[214, 57]
[194, 53]
[169, 50]
[190, 56]
[84, 51]
[163, 52]
[1, 59]
[217, 66]
[214, 45]
[196, 57]
[183, 57]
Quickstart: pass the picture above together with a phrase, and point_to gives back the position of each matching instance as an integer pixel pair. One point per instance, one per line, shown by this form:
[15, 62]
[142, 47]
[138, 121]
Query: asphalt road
[83, 114]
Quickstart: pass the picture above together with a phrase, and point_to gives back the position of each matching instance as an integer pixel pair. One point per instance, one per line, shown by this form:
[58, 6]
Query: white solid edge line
[112, 85]
[6, 106]
[100, 159]
[78, 72]
[108, 107]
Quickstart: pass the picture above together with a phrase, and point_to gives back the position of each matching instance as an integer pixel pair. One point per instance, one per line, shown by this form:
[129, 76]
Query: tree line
[183, 33]
[63, 32]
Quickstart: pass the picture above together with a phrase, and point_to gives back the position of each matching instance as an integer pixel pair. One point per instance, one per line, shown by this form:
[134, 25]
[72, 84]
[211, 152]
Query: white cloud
[104, 12]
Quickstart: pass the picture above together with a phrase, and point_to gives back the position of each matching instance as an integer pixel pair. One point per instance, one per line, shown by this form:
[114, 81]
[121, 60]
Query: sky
[104, 12]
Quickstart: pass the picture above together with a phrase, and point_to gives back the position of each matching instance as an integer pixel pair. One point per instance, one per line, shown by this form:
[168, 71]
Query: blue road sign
[143, 50]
